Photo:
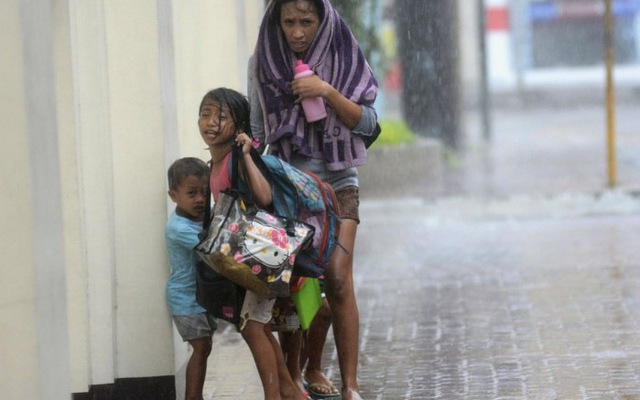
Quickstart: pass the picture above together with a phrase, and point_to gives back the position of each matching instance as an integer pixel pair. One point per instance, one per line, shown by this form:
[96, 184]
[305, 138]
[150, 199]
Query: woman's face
[299, 22]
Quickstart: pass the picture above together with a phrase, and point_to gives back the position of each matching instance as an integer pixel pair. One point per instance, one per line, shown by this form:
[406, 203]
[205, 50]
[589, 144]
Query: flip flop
[313, 387]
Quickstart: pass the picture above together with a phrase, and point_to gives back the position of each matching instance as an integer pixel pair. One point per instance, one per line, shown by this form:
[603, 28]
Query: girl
[224, 123]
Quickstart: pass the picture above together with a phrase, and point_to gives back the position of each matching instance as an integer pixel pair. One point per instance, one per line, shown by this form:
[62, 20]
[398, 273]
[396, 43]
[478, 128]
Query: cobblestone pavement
[545, 308]
[497, 291]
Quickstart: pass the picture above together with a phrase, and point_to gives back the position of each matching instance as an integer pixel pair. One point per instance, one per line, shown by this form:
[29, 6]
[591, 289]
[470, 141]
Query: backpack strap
[277, 195]
[234, 186]
[207, 209]
[327, 194]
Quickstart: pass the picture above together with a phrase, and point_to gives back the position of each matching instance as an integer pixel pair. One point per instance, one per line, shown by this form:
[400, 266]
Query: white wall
[17, 287]
[210, 54]
[99, 96]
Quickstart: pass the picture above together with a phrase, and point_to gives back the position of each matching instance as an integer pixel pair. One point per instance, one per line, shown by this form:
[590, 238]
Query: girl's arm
[258, 184]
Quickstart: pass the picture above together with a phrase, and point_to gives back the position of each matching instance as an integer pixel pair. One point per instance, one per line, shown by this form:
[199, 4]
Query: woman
[311, 30]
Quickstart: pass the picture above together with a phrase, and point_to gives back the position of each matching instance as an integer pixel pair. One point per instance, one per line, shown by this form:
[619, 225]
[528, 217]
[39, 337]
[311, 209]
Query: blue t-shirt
[181, 235]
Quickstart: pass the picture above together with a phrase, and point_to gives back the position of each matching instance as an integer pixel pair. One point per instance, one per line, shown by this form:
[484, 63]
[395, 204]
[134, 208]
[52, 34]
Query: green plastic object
[307, 300]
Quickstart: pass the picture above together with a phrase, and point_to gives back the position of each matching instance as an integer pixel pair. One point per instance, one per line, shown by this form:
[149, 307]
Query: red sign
[497, 19]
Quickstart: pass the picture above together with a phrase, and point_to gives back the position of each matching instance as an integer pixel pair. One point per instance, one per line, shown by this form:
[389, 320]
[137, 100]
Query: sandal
[321, 390]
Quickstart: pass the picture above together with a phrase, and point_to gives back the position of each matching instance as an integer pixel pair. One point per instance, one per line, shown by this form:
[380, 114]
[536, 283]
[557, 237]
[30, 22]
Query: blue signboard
[551, 10]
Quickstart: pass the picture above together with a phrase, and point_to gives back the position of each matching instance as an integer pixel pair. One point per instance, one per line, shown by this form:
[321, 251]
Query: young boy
[188, 188]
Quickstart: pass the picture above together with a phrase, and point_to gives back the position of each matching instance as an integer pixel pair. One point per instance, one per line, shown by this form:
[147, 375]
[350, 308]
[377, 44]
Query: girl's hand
[243, 140]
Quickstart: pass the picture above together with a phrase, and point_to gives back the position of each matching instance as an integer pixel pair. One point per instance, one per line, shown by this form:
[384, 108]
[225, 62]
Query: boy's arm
[183, 235]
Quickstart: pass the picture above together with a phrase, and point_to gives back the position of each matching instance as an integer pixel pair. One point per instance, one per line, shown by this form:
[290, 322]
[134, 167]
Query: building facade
[547, 43]
[98, 98]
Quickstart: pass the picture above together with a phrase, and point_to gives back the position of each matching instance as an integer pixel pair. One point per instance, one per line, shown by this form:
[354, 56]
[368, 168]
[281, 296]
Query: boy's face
[190, 197]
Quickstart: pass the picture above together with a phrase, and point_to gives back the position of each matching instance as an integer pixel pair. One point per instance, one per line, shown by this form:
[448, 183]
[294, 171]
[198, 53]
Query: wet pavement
[499, 308]
[517, 276]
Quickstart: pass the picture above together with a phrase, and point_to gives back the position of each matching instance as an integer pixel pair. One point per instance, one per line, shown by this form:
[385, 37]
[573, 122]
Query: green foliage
[394, 133]
[352, 12]
[361, 17]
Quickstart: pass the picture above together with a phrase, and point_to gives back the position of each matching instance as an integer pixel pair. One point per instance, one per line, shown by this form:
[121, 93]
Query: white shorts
[256, 308]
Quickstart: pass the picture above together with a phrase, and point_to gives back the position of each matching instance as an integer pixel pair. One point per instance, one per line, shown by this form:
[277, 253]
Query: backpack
[303, 196]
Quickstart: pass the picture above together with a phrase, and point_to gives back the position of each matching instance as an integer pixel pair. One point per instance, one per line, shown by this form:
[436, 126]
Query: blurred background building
[539, 43]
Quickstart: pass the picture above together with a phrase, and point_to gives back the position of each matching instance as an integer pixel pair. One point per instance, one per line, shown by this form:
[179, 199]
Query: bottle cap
[300, 67]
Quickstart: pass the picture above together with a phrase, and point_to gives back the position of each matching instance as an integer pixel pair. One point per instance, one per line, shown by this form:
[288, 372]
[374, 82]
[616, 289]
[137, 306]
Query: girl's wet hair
[185, 167]
[277, 9]
[236, 104]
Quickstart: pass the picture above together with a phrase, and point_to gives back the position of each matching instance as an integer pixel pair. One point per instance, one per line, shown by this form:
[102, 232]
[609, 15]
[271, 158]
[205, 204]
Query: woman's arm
[347, 111]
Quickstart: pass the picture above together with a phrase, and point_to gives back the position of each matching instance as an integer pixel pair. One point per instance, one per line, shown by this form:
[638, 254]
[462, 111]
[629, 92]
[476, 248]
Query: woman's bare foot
[351, 395]
[296, 395]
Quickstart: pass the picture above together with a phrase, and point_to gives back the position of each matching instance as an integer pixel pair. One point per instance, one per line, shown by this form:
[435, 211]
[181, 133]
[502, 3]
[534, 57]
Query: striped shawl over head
[336, 57]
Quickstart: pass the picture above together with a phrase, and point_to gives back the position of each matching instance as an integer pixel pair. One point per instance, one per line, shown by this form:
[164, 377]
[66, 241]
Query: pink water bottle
[314, 109]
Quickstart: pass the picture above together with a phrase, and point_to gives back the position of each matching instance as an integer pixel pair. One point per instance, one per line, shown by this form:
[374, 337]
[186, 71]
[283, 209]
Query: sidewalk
[514, 276]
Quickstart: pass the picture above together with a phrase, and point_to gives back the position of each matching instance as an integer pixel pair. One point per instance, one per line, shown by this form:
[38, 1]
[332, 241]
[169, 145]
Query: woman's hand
[313, 86]
[309, 87]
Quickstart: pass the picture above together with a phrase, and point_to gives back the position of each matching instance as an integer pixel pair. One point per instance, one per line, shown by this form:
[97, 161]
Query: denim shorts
[195, 326]
[349, 201]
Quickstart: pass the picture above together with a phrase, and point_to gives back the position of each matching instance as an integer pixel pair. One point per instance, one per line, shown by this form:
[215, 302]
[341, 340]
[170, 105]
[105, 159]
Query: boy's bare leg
[197, 368]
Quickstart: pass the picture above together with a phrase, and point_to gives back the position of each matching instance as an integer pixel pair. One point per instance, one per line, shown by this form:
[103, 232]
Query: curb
[404, 169]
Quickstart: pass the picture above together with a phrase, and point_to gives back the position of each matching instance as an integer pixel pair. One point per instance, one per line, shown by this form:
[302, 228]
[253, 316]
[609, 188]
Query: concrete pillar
[74, 246]
[32, 291]
[95, 183]
[428, 51]
[143, 338]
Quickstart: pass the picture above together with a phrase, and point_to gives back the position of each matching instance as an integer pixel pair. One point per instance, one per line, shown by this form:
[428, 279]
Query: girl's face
[216, 125]
[299, 21]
